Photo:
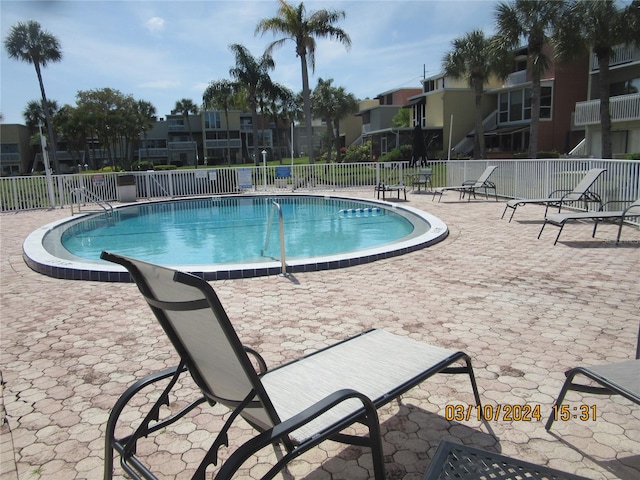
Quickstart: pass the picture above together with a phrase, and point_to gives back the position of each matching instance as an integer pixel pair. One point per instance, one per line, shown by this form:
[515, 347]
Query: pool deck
[523, 309]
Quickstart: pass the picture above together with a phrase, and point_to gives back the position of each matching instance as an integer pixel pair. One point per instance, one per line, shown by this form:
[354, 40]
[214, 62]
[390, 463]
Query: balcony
[621, 54]
[152, 152]
[516, 78]
[622, 108]
[223, 143]
[181, 145]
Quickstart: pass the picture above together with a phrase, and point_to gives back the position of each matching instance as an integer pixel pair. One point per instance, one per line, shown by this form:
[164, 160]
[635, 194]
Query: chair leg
[559, 232]
[558, 402]
[543, 225]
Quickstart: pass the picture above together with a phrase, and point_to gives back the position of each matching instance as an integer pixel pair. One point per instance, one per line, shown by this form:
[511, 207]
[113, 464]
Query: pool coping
[41, 260]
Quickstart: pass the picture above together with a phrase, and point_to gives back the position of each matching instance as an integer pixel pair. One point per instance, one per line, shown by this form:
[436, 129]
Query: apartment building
[377, 115]
[624, 105]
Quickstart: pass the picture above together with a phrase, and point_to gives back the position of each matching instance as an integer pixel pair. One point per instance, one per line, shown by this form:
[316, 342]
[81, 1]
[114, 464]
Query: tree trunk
[535, 114]
[226, 118]
[306, 100]
[605, 114]
[330, 139]
[478, 141]
[47, 116]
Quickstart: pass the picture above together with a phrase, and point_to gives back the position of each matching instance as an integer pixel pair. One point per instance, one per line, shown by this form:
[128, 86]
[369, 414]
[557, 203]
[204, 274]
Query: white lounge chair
[558, 198]
[299, 405]
[470, 186]
[559, 219]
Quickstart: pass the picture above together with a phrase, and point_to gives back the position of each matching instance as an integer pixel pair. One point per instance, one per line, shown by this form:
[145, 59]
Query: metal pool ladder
[82, 195]
[276, 206]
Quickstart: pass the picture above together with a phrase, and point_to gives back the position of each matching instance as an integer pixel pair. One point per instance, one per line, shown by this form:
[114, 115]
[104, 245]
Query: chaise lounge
[560, 219]
[558, 198]
[298, 405]
[622, 378]
[470, 186]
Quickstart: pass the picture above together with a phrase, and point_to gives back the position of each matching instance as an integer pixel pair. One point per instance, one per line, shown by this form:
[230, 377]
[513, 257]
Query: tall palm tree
[252, 74]
[533, 21]
[471, 58]
[597, 25]
[221, 94]
[295, 24]
[28, 42]
[184, 107]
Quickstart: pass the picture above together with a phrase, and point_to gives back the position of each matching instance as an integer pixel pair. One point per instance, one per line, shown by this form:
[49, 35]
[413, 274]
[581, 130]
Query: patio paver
[523, 309]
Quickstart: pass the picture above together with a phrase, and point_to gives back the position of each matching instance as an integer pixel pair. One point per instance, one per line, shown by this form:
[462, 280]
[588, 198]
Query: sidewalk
[524, 310]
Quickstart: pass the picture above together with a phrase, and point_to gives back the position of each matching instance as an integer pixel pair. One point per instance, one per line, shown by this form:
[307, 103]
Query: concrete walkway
[523, 309]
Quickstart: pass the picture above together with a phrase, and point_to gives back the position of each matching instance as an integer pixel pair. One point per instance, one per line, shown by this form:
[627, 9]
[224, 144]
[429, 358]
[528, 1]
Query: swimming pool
[232, 236]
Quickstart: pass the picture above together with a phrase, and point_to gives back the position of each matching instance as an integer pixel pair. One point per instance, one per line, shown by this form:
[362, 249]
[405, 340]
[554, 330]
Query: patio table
[453, 460]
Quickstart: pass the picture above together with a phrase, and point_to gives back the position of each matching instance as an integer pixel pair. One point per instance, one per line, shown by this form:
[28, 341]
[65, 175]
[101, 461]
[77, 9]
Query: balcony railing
[516, 78]
[622, 108]
[621, 54]
[223, 143]
[181, 145]
[152, 152]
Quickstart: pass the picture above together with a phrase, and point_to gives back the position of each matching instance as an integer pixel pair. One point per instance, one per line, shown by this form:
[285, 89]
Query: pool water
[234, 230]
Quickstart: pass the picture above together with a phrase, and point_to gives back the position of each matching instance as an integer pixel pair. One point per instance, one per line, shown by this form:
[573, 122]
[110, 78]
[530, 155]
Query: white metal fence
[513, 179]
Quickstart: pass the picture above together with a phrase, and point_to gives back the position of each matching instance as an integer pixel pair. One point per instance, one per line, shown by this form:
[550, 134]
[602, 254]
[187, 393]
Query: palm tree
[146, 115]
[294, 23]
[252, 74]
[597, 25]
[279, 99]
[28, 42]
[184, 107]
[532, 20]
[346, 104]
[332, 104]
[221, 94]
[471, 59]
[34, 115]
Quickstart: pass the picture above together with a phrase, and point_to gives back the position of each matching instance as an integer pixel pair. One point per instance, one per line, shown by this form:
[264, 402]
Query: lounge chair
[299, 404]
[470, 186]
[559, 219]
[622, 378]
[557, 198]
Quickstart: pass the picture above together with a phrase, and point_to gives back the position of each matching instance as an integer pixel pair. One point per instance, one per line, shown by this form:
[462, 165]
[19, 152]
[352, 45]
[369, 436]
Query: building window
[212, 120]
[419, 115]
[625, 88]
[175, 124]
[515, 106]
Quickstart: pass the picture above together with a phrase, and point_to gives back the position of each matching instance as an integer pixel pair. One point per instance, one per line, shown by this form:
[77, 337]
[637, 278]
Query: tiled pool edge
[40, 260]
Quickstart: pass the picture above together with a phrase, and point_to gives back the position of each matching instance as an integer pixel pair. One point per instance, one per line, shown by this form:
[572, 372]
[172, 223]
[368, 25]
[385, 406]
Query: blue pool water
[234, 230]
[236, 235]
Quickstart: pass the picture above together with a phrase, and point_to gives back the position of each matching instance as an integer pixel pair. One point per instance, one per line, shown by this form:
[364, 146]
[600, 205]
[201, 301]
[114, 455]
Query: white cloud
[155, 25]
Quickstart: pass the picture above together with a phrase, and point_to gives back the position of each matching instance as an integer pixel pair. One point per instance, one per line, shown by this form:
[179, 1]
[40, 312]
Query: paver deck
[523, 309]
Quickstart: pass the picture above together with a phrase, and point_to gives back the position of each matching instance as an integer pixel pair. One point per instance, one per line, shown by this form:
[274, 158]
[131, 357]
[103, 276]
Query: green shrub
[633, 156]
[357, 153]
[398, 154]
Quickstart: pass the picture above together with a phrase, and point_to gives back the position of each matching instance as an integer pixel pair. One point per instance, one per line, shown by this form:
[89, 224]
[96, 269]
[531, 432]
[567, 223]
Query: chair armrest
[261, 363]
[556, 193]
[282, 430]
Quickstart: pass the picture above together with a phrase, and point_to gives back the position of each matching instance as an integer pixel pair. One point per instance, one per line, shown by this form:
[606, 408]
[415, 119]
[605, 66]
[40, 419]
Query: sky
[163, 51]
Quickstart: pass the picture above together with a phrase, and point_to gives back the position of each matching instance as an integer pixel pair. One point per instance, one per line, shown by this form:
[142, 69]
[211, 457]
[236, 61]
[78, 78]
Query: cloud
[155, 25]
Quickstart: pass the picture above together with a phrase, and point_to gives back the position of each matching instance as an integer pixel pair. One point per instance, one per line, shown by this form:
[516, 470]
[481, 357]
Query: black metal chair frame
[607, 386]
[598, 217]
[559, 198]
[257, 398]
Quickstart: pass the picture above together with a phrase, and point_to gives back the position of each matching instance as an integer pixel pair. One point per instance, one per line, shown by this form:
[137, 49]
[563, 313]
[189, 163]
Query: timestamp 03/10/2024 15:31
[518, 413]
